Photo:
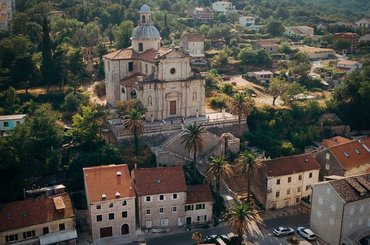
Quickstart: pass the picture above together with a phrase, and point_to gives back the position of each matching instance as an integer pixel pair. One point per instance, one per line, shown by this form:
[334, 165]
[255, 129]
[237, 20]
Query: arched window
[133, 94]
[125, 229]
[143, 19]
[123, 90]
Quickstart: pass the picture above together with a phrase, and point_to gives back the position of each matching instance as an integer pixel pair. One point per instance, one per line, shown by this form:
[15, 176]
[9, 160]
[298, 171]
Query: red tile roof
[337, 140]
[30, 212]
[199, 193]
[108, 180]
[122, 54]
[152, 181]
[352, 154]
[290, 165]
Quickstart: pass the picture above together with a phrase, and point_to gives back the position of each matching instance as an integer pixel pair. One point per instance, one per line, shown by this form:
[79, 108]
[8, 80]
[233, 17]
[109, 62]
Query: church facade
[161, 78]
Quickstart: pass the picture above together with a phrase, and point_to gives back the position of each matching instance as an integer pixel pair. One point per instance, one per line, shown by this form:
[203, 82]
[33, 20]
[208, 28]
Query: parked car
[306, 233]
[217, 239]
[283, 231]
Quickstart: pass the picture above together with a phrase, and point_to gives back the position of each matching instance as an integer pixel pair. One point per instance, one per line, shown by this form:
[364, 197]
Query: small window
[62, 227]
[148, 199]
[277, 194]
[278, 181]
[161, 197]
[299, 189]
[300, 177]
[189, 207]
[174, 209]
[173, 71]
[200, 206]
[327, 166]
[124, 214]
[99, 218]
[288, 192]
[161, 210]
[133, 94]
[148, 211]
[98, 206]
[28, 234]
[307, 187]
[45, 230]
[141, 47]
[111, 205]
[124, 203]
[11, 238]
[327, 156]
[174, 196]
[146, 68]
[130, 66]
[6, 124]
[111, 216]
[289, 179]
[310, 175]
[123, 90]
[297, 199]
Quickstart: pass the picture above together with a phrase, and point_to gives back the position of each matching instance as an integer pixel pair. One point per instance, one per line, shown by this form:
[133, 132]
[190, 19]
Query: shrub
[218, 103]
[228, 89]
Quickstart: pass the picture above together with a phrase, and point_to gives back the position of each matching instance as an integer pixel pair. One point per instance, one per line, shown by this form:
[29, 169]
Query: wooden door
[106, 232]
[173, 107]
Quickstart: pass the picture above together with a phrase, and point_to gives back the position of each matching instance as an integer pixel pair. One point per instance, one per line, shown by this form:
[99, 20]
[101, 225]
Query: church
[161, 78]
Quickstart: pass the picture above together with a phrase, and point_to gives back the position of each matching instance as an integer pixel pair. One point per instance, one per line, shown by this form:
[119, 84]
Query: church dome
[145, 32]
[145, 9]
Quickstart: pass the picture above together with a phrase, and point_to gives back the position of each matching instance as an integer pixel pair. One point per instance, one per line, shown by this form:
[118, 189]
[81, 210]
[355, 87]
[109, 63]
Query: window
[299, 189]
[124, 203]
[28, 234]
[174, 209]
[130, 66]
[327, 156]
[278, 181]
[148, 199]
[11, 238]
[297, 199]
[146, 68]
[6, 124]
[161, 197]
[327, 166]
[99, 218]
[124, 214]
[123, 90]
[45, 230]
[288, 192]
[174, 196]
[161, 210]
[111, 205]
[289, 179]
[200, 206]
[310, 175]
[202, 218]
[148, 211]
[133, 94]
[307, 187]
[300, 177]
[173, 71]
[98, 206]
[111, 216]
[141, 47]
[62, 227]
[277, 193]
[189, 207]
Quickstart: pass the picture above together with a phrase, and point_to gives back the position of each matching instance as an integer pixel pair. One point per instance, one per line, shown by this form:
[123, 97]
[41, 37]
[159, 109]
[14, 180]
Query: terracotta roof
[130, 54]
[30, 212]
[335, 141]
[199, 193]
[267, 43]
[108, 180]
[290, 165]
[131, 80]
[192, 37]
[353, 188]
[152, 181]
[352, 154]
[122, 54]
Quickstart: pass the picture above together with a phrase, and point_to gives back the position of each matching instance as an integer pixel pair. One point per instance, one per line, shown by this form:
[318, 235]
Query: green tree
[277, 87]
[275, 28]
[122, 34]
[134, 122]
[248, 163]
[219, 169]
[341, 45]
[241, 105]
[46, 62]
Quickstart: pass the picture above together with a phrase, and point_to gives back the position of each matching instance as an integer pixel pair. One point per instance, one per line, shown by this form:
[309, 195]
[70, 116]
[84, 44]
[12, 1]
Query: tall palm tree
[241, 105]
[243, 219]
[218, 168]
[193, 139]
[197, 236]
[134, 123]
[248, 163]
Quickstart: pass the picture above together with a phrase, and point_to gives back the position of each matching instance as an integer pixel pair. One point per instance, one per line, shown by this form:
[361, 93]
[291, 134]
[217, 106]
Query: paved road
[184, 238]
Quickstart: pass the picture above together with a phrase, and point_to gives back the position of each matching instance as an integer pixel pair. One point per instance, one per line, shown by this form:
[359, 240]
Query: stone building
[269, 45]
[283, 182]
[48, 219]
[161, 78]
[199, 201]
[340, 210]
[110, 201]
[193, 44]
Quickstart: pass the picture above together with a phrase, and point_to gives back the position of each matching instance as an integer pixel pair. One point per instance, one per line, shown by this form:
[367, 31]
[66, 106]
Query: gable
[174, 54]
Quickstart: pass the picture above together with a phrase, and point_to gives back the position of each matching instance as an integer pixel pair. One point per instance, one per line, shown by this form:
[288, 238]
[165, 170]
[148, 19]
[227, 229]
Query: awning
[58, 237]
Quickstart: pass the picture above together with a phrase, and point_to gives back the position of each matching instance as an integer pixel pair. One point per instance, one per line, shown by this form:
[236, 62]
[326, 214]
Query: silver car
[306, 233]
[283, 231]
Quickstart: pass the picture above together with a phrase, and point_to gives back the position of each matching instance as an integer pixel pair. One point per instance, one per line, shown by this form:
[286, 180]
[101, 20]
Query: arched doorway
[125, 229]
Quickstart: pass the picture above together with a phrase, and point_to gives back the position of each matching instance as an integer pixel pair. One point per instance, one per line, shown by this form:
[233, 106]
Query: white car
[283, 231]
[306, 233]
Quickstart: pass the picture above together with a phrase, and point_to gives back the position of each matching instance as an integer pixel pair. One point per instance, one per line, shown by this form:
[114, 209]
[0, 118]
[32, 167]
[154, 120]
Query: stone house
[349, 65]
[301, 31]
[110, 201]
[263, 76]
[344, 159]
[198, 206]
[364, 23]
[340, 211]
[283, 182]
[193, 44]
[161, 78]
[43, 220]
[269, 45]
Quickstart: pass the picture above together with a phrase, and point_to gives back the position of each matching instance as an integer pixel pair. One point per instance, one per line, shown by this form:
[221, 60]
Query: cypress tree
[46, 62]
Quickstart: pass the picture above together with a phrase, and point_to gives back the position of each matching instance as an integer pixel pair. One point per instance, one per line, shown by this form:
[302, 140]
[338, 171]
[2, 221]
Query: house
[344, 159]
[300, 31]
[269, 45]
[340, 212]
[160, 78]
[48, 219]
[349, 65]
[199, 203]
[364, 23]
[201, 14]
[317, 53]
[283, 182]
[110, 200]
[193, 44]
[161, 196]
[365, 38]
[351, 37]
[263, 76]
[246, 21]
[223, 6]
[9, 122]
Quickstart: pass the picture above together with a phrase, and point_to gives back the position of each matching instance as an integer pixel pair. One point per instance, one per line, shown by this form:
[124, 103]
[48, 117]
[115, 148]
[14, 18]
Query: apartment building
[199, 204]
[110, 200]
[283, 182]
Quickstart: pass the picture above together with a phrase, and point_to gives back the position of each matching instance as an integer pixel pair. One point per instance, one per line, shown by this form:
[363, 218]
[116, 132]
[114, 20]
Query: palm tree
[241, 105]
[193, 139]
[243, 219]
[218, 168]
[197, 236]
[134, 122]
[248, 163]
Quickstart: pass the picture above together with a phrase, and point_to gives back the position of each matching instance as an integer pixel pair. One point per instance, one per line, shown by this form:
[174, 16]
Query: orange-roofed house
[349, 65]
[269, 45]
[199, 204]
[283, 182]
[161, 196]
[43, 220]
[344, 158]
[110, 200]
